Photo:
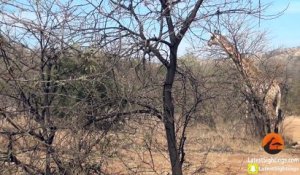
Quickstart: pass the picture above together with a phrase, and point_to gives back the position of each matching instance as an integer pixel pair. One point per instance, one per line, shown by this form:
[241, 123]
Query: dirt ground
[211, 152]
[217, 153]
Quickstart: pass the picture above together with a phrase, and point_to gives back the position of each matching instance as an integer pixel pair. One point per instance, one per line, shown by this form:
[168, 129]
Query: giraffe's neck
[250, 68]
[245, 66]
[230, 49]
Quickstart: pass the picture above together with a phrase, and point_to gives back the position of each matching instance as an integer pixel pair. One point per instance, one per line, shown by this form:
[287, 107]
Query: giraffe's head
[221, 41]
[214, 39]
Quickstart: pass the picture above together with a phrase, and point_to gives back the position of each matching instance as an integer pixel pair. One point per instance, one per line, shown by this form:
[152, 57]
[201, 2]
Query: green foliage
[84, 81]
[189, 60]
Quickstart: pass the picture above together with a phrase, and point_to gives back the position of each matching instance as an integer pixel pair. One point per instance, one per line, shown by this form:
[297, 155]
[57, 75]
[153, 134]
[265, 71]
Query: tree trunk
[169, 120]
[262, 122]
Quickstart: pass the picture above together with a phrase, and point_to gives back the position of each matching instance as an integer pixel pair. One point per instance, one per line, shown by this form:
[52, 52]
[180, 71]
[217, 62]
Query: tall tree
[156, 29]
[151, 30]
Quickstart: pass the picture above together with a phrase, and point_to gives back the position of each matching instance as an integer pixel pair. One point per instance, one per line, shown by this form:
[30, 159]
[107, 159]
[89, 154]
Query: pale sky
[285, 30]
[282, 32]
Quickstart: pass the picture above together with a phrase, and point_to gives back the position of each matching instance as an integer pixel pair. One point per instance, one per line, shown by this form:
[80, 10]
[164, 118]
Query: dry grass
[141, 149]
[291, 129]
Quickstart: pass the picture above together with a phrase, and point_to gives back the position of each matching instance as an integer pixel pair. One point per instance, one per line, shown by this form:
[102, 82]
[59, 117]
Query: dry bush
[290, 130]
[74, 150]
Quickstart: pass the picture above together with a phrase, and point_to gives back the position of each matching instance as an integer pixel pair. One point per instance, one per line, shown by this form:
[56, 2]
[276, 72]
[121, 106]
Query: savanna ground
[141, 148]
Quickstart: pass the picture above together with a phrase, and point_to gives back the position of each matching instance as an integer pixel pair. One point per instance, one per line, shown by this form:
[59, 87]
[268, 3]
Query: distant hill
[284, 53]
[291, 58]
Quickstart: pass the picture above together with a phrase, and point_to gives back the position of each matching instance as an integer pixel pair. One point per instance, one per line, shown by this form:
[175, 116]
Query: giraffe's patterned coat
[256, 81]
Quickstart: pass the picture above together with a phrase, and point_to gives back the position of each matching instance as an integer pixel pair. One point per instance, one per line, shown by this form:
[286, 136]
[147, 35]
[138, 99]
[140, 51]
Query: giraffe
[265, 91]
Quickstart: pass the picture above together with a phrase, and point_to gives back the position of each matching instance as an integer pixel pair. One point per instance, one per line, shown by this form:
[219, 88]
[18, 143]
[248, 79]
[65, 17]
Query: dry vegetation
[97, 87]
[218, 140]
[140, 149]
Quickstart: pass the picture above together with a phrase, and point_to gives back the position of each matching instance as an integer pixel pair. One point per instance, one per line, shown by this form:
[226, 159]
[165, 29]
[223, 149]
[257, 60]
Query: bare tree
[151, 31]
[36, 45]
[155, 29]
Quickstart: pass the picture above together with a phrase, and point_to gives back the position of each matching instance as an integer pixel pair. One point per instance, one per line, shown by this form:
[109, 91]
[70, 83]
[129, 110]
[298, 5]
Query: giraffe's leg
[274, 120]
[279, 119]
[269, 130]
[278, 111]
[272, 125]
[247, 108]
[278, 101]
[271, 116]
[268, 124]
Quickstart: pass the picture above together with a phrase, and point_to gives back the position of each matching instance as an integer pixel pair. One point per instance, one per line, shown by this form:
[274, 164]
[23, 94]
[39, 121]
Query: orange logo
[273, 143]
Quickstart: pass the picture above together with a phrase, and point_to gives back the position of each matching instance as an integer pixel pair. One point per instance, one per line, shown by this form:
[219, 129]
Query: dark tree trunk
[169, 114]
[260, 118]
